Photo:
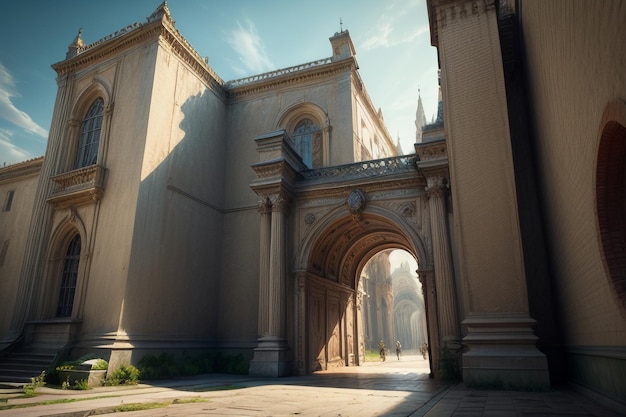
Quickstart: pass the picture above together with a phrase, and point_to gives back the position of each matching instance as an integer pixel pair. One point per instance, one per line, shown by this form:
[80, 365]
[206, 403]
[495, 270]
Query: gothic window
[68, 279]
[303, 136]
[87, 153]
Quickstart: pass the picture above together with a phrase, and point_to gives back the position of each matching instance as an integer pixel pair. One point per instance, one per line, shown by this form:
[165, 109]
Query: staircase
[22, 364]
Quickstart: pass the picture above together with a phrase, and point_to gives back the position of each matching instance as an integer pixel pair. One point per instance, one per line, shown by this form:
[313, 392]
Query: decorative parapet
[77, 187]
[365, 169]
[273, 74]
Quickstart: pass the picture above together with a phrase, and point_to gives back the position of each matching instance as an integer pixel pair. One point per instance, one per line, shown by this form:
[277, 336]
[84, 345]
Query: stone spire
[76, 47]
[161, 13]
[420, 118]
[399, 146]
[439, 108]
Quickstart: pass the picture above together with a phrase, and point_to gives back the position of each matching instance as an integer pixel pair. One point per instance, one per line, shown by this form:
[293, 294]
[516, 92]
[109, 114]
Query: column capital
[280, 202]
[264, 206]
[438, 186]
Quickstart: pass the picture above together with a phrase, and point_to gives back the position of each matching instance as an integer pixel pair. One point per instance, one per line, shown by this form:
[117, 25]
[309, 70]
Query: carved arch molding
[342, 250]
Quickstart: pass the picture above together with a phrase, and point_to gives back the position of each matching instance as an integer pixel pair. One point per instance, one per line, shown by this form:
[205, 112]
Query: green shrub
[82, 384]
[165, 365]
[100, 365]
[158, 366]
[36, 382]
[124, 375]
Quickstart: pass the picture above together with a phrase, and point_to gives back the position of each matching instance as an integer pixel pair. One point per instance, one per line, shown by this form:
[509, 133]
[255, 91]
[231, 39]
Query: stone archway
[333, 318]
[318, 229]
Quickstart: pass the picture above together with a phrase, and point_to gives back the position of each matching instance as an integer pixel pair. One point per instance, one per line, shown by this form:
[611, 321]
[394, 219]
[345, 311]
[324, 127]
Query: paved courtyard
[391, 388]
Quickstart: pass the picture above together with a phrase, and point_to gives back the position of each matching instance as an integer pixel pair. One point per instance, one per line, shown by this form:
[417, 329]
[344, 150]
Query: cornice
[241, 89]
[135, 34]
[194, 61]
[20, 170]
[109, 46]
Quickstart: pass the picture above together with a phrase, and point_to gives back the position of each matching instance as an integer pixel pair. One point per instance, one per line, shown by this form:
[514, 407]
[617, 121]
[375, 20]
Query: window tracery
[69, 278]
[89, 140]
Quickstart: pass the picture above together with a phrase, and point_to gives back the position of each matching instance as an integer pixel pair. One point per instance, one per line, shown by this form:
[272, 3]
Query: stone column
[444, 275]
[301, 324]
[277, 267]
[272, 357]
[264, 257]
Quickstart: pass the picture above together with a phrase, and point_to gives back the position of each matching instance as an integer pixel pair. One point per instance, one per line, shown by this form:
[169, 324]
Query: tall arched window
[68, 280]
[303, 140]
[87, 153]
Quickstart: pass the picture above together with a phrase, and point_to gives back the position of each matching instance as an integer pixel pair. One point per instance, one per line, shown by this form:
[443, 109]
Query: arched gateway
[319, 227]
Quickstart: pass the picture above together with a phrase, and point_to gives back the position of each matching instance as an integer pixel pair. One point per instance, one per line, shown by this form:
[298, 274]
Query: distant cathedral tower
[420, 119]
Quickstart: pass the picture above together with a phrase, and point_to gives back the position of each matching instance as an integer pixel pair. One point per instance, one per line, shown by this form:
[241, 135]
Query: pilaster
[276, 173]
[499, 339]
[436, 192]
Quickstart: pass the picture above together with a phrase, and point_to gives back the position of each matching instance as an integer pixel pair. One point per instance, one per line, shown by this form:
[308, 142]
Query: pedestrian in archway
[398, 348]
[381, 350]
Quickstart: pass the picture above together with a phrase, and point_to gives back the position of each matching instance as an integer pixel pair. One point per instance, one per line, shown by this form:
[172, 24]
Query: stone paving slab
[392, 388]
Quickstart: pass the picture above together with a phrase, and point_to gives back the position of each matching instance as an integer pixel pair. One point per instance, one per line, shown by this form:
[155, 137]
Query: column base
[272, 358]
[502, 353]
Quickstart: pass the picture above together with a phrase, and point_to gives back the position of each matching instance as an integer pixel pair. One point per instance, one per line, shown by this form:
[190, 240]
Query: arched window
[303, 136]
[68, 280]
[87, 153]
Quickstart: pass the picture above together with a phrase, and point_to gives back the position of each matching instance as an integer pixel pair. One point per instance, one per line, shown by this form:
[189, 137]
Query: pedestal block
[272, 358]
[502, 353]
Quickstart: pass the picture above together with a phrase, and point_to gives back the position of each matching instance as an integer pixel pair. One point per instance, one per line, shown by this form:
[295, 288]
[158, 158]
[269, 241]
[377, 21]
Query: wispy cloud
[249, 46]
[10, 153]
[394, 27]
[8, 110]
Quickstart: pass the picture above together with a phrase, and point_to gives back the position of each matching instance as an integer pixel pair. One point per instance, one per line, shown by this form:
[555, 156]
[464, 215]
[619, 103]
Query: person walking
[398, 348]
[381, 350]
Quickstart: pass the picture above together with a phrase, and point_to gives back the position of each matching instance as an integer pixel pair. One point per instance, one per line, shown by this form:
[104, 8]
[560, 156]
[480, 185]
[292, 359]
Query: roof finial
[76, 46]
[340, 25]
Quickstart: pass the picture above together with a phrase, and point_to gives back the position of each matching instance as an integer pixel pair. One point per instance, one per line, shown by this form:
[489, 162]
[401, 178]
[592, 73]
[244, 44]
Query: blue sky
[240, 37]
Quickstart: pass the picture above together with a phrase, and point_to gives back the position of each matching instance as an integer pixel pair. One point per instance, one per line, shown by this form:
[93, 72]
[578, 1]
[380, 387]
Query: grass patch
[190, 400]
[50, 402]
[139, 406]
[372, 356]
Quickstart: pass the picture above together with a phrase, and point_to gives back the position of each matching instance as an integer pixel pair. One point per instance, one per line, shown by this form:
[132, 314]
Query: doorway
[351, 302]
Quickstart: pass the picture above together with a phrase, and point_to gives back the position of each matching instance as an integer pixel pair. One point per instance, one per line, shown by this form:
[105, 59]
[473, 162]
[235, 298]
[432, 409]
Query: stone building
[176, 211]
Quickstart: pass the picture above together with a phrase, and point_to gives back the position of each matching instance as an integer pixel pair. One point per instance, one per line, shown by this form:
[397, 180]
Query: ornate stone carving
[364, 169]
[79, 186]
[356, 203]
[437, 187]
[265, 206]
[279, 202]
[309, 218]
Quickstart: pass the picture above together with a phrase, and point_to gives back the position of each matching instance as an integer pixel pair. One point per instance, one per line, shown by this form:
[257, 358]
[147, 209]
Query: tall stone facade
[534, 98]
[176, 211]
